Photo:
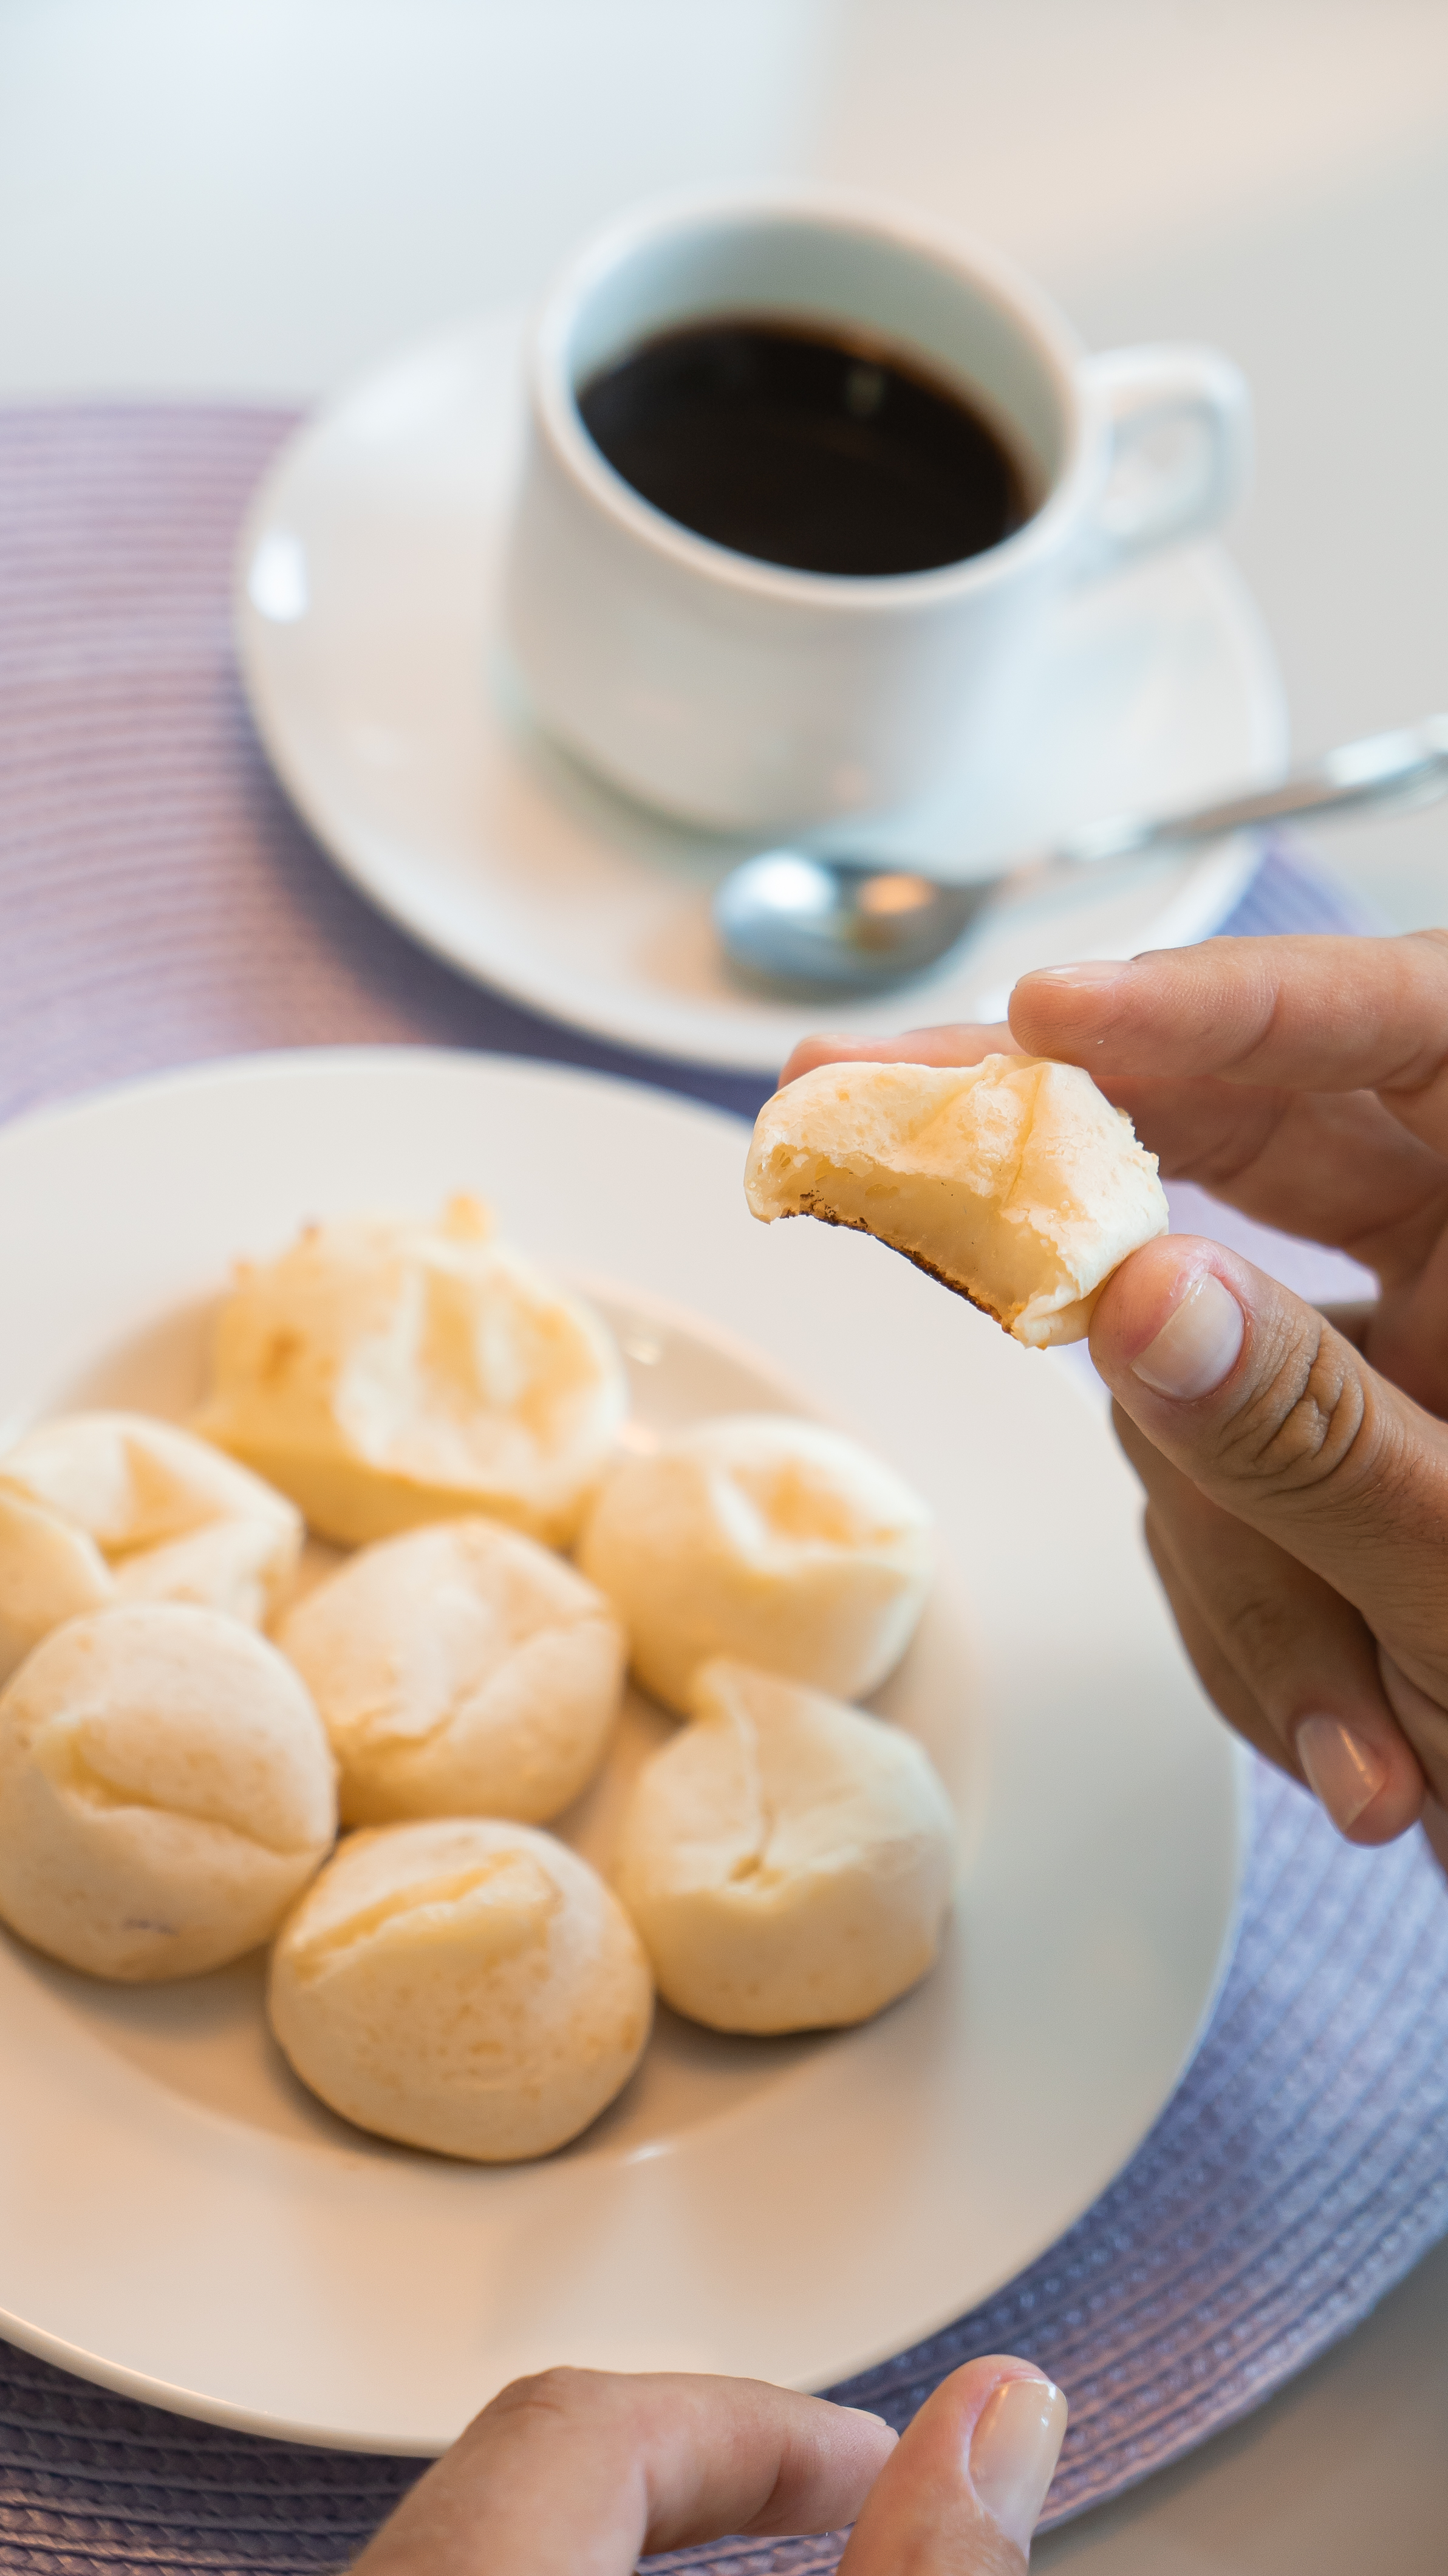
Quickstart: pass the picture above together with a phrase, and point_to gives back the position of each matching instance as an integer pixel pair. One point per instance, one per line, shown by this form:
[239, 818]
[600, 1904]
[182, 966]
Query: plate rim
[169, 2397]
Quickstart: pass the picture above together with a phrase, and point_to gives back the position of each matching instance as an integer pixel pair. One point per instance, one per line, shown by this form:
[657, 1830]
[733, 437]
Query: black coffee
[801, 447]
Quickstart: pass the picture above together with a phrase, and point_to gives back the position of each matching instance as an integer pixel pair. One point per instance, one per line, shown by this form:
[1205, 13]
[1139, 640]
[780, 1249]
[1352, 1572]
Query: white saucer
[367, 630]
[180, 2220]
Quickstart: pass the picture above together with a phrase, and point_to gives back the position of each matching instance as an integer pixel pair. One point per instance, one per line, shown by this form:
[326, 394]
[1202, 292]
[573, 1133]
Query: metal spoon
[803, 916]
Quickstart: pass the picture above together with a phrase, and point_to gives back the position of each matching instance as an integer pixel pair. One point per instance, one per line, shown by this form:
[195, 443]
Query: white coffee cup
[744, 695]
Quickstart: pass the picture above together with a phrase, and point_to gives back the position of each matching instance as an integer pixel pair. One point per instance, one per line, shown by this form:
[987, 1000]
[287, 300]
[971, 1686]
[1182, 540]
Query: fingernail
[1013, 2453]
[1343, 1772]
[1091, 970]
[1197, 1345]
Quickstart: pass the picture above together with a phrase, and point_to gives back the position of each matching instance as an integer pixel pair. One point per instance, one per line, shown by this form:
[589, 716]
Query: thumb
[962, 2492]
[1277, 1418]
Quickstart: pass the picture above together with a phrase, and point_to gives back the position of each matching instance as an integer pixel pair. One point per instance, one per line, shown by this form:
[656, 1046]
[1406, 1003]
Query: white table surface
[256, 198]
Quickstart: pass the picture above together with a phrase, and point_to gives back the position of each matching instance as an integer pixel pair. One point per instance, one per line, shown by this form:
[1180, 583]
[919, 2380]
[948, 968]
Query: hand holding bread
[1295, 1462]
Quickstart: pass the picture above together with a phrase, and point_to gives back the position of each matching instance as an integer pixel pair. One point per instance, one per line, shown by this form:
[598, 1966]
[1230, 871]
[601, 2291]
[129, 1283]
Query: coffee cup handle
[1179, 431]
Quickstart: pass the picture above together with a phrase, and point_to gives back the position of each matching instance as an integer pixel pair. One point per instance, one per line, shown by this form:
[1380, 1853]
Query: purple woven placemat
[159, 903]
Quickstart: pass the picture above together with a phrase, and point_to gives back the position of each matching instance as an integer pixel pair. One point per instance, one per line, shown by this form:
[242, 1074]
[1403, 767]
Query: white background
[257, 198]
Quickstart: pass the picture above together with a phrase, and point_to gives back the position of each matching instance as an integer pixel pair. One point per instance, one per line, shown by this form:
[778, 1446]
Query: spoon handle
[1405, 768]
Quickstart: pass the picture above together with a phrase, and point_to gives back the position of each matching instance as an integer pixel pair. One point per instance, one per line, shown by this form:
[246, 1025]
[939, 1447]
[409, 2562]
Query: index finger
[577, 2472]
[1304, 1013]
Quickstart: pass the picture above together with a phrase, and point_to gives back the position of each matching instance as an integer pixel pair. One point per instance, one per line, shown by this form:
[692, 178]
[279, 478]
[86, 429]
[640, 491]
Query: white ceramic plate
[180, 2220]
[367, 628]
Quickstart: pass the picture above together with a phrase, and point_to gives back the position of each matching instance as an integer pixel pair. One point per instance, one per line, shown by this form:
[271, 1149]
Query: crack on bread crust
[811, 1206]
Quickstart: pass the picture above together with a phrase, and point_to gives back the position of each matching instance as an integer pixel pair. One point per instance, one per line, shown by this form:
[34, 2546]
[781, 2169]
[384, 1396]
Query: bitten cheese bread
[166, 1790]
[460, 1670]
[385, 1373]
[471, 1987]
[788, 1861]
[106, 1507]
[766, 1537]
[1012, 1181]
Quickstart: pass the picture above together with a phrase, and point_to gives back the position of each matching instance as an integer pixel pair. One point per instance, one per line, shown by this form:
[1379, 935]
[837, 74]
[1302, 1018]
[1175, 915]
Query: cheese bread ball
[459, 1671]
[788, 1861]
[766, 1537]
[385, 1373]
[49, 1571]
[166, 1790]
[1012, 1181]
[467, 1986]
[102, 1507]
